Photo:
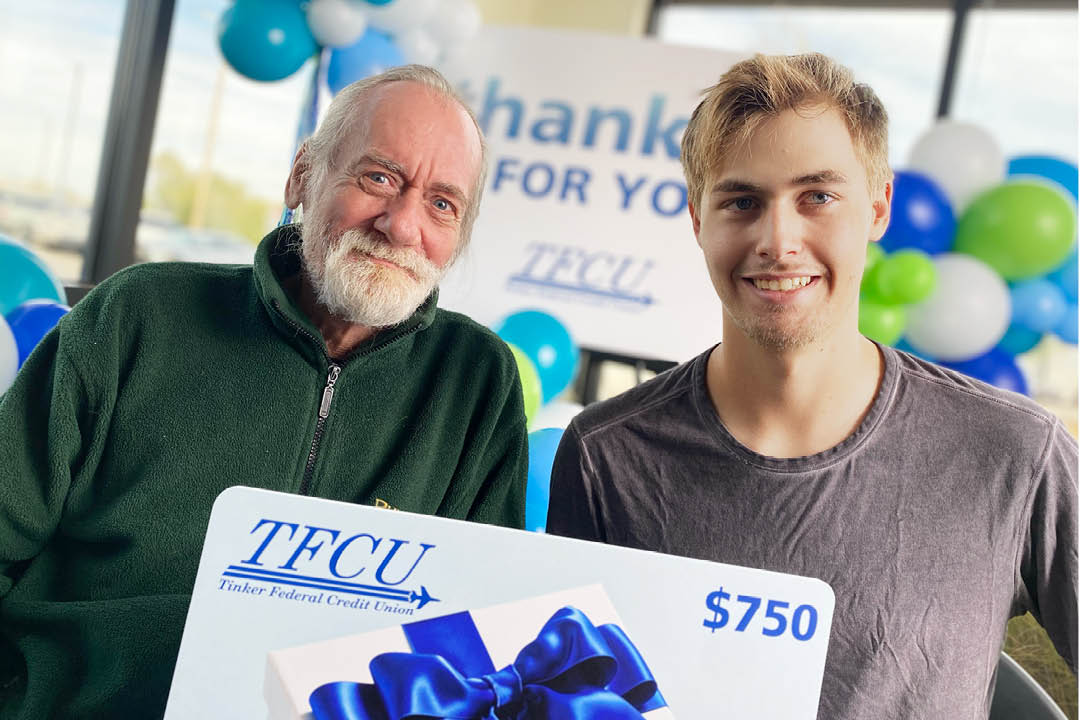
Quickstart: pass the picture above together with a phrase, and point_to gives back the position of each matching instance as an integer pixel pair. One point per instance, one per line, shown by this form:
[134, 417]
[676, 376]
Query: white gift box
[292, 674]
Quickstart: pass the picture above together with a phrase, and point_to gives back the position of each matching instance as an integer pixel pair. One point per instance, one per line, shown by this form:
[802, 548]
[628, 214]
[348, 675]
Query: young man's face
[784, 225]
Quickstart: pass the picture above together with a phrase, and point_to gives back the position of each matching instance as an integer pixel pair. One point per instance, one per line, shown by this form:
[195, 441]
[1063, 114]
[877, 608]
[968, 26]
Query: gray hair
[347, 103]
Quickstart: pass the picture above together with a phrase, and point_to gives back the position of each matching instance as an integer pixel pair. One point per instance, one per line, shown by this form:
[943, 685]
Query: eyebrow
[440, 187]
[733, 185]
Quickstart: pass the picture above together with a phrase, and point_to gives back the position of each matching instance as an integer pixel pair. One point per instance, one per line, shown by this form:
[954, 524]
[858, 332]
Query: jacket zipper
[328, 392]
[324, 411]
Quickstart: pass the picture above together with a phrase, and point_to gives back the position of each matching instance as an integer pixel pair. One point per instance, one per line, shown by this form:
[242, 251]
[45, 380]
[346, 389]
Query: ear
[294, 186]
[695, 220]
[882, 209]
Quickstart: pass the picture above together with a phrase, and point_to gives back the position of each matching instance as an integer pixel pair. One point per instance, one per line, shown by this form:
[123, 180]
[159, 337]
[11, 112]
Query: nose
[400, 219]
[780, 233]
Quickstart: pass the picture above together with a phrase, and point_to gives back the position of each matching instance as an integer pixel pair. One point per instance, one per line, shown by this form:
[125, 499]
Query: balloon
[31, 321]
[542, 447]
[966, 315]
[1056, 170]
[921, 216]
[265, 40]
[399, 16]
[1018, 339]
[9, 356]
[379, 2]
[962, 158]
[1067, 328]
[373, 53]
[456, 22]
[1037, 304]
[995, 367]
[1021, 229]
[24, 276]
[335, 23]
[1064, 276]
[530, 382]
[903, 344]
[556, 415]
[417, 46]
[548, 345]
[874, 255]
[883, 323]
[906, 276]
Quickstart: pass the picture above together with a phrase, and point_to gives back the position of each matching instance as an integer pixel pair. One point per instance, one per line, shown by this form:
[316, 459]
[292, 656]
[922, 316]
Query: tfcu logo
[589, 275]
[337, 563]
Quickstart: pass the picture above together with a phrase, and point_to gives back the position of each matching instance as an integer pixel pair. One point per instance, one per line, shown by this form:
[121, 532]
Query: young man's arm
[573, 509]
[1048, 564]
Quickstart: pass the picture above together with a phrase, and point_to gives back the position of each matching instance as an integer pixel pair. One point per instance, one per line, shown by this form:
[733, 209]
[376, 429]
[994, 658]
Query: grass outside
[1028, 644]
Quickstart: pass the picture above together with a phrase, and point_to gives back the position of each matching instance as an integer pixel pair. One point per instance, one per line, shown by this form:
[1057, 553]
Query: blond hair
[349, 103]
[760, 88]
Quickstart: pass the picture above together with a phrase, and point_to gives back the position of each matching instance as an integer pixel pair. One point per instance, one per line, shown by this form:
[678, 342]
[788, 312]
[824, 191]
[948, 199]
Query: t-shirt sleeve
[572, 510]
[1048, 563]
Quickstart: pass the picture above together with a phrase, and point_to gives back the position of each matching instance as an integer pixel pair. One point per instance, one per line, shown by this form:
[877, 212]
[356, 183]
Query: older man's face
[384, 226]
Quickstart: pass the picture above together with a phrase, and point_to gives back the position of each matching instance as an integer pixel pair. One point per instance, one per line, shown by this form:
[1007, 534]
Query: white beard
[351, 286]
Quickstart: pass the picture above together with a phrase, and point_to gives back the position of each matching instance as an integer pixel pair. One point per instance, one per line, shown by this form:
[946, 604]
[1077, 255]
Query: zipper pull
[328, 391]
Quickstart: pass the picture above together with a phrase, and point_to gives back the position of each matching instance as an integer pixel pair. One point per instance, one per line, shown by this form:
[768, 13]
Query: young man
[326, 369]
[935, 506]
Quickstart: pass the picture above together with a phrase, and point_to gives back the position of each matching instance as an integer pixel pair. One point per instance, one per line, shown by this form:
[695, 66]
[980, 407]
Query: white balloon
[456, 22]
[417, 45]
[555, 415]
[335, 23]
[963, 158]
[9, 356]
[400, 15]
[967, 314]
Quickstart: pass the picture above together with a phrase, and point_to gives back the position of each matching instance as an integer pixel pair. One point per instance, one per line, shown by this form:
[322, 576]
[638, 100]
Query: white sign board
[584, 213]
[309, 608]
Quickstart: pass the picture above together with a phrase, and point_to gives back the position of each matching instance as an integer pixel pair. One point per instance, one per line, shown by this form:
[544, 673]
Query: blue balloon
[995, 367]
[265, 40]
[1056, 170]
[542, 447]
[922, 218]
[1065, 276]
[548, 345]
[1067, 328]
[1018, 339]
[1037, 304]
[24, 276]
[373, 53]
[31, 321]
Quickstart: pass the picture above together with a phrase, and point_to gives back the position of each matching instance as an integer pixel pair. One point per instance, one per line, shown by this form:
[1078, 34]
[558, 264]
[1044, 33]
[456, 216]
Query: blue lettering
[654, 131]
[311, 549]
[541, 250]
[560, 125]
[616, 280]
[597, 115]
[390, 556]
[587, 264]
[336, 557]
[277, 525]
[628, 190]
[502, 172]
[493, 102]
[680, 195]
[547, 178]
[575, 179]
[561, 263]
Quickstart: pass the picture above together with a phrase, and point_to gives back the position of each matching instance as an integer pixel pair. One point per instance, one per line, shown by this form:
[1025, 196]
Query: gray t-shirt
[951, 508]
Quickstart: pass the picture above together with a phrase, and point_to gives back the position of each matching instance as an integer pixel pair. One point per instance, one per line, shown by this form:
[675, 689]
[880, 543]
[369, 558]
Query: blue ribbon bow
[572, 670]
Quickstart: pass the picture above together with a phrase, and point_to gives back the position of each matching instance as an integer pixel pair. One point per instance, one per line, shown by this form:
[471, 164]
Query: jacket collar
[277, 258]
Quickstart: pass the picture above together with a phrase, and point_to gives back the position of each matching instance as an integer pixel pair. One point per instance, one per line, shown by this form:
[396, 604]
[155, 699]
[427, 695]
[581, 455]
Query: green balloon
[884, 323]
[530, 382]
[1021, 229]
[874, 255]
[904, 277]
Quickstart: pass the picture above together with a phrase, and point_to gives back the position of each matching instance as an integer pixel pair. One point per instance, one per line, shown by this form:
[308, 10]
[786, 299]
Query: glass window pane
[900, 53]
[221, 151]
[57, 61]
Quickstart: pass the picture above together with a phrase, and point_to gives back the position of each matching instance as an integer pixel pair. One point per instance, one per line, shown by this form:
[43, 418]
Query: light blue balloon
[24, 276]
[1018, 339]
[265, 40]
[373, 53]
[1067, 328]
[542, 447]
[1037, 304]
[1061, 172]
[1065, 276]
[547, 343]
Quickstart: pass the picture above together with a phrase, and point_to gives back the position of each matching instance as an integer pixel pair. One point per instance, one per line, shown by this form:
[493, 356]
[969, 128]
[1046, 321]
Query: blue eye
[442, 204]
[820, 198]
[378, 177]
[743, 203]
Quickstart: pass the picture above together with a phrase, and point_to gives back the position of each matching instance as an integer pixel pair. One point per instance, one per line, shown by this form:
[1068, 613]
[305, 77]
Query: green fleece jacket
[171, 382]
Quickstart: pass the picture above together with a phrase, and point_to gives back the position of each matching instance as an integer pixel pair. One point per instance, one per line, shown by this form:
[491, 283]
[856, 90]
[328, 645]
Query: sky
[57, 59]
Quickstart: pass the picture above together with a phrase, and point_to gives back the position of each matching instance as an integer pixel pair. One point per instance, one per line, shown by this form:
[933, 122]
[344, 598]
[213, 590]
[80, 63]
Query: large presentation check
[308, 608]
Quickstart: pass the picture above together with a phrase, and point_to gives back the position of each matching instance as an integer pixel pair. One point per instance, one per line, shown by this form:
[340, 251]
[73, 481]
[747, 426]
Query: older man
[325, 369]
[934, 505]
